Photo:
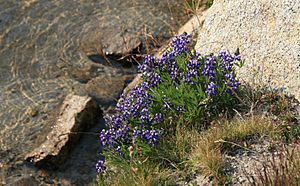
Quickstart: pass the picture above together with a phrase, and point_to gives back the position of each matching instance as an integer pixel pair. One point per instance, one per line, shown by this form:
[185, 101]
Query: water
[40, 51]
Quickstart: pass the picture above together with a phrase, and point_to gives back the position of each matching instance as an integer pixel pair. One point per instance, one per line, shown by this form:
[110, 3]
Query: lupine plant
[182, 86]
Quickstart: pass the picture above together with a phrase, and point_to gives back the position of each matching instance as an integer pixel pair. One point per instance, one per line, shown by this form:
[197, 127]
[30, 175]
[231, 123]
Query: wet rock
[87, 72]
[267, 35]
[41, 173]
[31, 111]
[106, 89]
[24, 181]
[109, 41]
[65, 182]
[77, 114]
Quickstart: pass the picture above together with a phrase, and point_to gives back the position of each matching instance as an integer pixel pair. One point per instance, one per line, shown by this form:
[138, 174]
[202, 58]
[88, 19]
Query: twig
[102, 53]
[235, 144]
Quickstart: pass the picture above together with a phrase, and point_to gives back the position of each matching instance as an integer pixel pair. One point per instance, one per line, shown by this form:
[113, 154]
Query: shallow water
[40, 51]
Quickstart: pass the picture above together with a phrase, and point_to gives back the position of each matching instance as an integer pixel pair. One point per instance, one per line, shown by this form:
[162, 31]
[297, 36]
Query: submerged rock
[77, 114]
[267, 33]
[109, 41]
[24, 181]
[106, 89]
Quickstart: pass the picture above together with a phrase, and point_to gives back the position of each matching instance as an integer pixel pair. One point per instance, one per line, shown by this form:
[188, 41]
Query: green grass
[193, 6]
[138, 175]
[187, 151]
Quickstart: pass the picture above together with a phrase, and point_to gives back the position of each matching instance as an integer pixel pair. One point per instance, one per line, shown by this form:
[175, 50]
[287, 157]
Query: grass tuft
[193, 6]
[138, 175]
[206, 154]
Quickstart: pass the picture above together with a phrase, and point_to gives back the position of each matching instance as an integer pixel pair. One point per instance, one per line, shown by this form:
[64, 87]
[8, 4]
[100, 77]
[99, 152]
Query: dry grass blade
[282, 168]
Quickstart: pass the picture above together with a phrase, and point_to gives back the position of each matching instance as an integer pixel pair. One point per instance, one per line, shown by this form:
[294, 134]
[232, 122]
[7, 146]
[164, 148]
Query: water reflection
[40, 55]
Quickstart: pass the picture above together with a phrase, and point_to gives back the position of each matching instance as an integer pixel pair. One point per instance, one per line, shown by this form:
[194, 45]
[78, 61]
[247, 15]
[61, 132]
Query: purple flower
[110, 136]
[237, 57]
[149, 63]
[229, 77]
[192, 69]
[179, 109]
[231, 83]
[227, 61]
[193, 64]
[118, 150]
[174, 72]
[100, 167]
[123, 133]
[114, 121]
[136, 132]
[179, 43]
[210, 90]
[155, 79]
[158, 118]
[152, 78]
[107, 137]
[144, 115]
[209, 67]
[149, 136]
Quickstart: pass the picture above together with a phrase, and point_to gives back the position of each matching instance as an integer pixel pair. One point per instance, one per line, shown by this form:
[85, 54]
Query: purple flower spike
[100, 167]
[179, 109]
[210, 90]
[158, 118]
[118, 150]
[107, 137]
[179, 43]
[144, 115]
[209, 67]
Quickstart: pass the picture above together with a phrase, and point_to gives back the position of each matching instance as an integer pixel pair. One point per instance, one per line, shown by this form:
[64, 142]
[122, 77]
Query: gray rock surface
[77, 114]
[267, 32]
[245, 167]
